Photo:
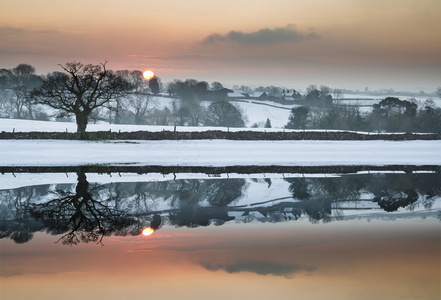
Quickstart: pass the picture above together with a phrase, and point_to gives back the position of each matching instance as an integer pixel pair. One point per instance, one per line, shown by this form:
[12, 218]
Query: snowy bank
[218, 153]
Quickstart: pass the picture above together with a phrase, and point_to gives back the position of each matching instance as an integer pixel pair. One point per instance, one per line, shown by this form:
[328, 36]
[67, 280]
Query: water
[226, 236]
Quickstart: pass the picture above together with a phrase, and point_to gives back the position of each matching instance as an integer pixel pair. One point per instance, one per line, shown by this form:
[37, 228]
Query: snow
[218, 153]
[10, 125]
[17, 180]
[258, 111]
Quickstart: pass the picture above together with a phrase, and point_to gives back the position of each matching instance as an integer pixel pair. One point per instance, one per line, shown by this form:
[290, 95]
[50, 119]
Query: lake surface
[224, 236]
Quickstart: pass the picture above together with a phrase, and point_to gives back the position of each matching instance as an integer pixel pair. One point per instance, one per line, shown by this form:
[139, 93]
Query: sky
[291, 43]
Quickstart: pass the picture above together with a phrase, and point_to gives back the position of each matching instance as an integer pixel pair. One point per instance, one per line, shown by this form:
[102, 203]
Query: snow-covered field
[203, 152]
[218, 153]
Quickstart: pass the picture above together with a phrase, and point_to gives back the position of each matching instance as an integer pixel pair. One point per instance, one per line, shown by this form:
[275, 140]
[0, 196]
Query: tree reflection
[89, 212]
[219, 193]
[80, 217]
[15, 222]
[322, 196]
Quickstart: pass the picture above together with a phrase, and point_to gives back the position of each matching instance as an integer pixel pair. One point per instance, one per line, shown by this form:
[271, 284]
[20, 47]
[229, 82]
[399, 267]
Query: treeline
[389, 115]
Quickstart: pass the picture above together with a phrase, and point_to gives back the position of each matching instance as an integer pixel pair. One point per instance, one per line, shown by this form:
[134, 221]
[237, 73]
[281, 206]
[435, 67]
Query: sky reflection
[340, 260]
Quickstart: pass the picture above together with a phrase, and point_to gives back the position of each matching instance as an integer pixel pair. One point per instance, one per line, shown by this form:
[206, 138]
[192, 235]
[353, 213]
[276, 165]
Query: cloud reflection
[260, 268]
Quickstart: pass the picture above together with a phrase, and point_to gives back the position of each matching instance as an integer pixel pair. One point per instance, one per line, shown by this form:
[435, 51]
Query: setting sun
[148, 74]
[148, 231]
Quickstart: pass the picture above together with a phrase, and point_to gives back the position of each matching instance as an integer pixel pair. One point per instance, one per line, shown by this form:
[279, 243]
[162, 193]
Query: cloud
[262, 36]
[7, 30]
[184, 57]
[261, 268]
[14, 31]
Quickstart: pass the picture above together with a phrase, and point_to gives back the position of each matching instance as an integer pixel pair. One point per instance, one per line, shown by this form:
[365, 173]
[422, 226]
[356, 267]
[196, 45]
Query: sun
[148, 231]
[148, 74]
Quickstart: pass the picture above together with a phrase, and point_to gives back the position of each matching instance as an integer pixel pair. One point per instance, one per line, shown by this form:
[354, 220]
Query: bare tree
[80, 90]
[311, 88]
[142, 104]
[337, 93]
[16, 85]
[326, 90]
[138, 101]
[25, 80]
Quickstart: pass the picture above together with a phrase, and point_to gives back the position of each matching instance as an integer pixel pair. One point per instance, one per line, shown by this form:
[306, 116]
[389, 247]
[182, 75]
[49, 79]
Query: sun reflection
[148, 231]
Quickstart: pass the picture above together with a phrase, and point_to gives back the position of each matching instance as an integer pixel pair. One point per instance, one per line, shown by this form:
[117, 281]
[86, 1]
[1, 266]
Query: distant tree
[141, 104]
[339, 117]
[189, 114]
[189, 90]
[6, 93]
[429, 118]
[325, 90]
[298, 119]
[246, 89]
[272, 91]
[201, 88]
[171, 88]
[318, 98]
[223, 113]
[394, 114]
[313, 95]
[21, 80]
[337, 93]
[311, 88]
[268, 123]
[438, 91]
[126, 105]
[216, 85]
[393, 104]
[154, 85]
[80, 90]
[138, 103]
[160, 117]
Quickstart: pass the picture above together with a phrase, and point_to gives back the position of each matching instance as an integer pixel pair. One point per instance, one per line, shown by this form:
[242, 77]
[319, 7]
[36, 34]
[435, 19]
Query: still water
[296, 236]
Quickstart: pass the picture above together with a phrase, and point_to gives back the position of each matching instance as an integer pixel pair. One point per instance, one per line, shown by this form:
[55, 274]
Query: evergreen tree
[268, 123]
[154, 85]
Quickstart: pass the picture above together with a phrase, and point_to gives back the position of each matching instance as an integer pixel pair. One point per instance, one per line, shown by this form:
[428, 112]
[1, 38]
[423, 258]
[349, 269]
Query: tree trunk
[138, 119]
[82, 119]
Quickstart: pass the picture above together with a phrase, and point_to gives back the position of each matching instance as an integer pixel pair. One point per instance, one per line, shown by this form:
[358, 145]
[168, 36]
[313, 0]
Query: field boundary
[106, 169]
[218, 134]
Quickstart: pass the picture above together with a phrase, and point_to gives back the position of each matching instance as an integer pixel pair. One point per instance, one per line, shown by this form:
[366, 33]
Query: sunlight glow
[147, 231]
[148, 74]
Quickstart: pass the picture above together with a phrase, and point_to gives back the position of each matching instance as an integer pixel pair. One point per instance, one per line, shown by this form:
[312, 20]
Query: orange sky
[340, 260]
[342, 43]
